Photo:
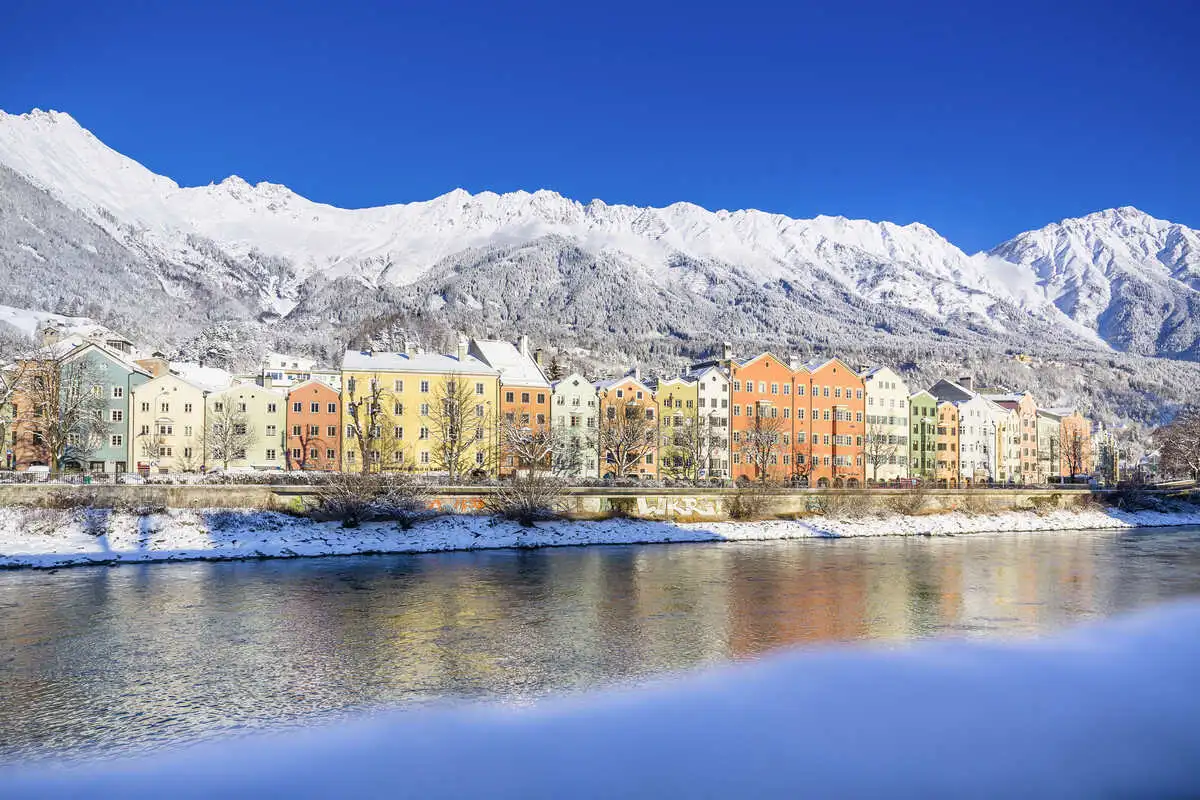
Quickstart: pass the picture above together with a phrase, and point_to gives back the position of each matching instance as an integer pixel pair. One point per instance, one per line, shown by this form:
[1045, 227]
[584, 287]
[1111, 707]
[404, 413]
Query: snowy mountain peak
[264, 238]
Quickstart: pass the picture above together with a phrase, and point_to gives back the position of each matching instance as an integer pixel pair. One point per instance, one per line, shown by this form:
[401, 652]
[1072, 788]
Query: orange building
[1076, 445]
[948, 470]
[628, 429]
[817, 411]
[524, 389]
[761, 404]
[313, 427]
[834, 405]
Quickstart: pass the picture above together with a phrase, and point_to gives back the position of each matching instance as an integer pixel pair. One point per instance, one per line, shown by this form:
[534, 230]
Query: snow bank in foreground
[1106, 711]
[52, 538]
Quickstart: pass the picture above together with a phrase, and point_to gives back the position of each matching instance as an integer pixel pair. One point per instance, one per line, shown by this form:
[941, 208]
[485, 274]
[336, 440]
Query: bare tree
[761, 444]
[459, 421]
[1075, 453]
[681, 449]
[62, 408]
[880, 446]
[352, 498]
[540, 449]
[1179, 445]
[371, 430]
[627, 435]
[228, 433]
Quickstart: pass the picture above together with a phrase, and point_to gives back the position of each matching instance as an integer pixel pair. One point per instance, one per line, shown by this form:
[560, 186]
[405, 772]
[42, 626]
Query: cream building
[166, 426]
[258, 417]
[886, 449]
[575, 411]
[712, 401]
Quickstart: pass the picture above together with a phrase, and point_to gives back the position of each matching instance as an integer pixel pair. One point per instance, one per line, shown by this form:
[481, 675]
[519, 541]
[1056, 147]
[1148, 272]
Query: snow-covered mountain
[76, 217]
[1132, 278]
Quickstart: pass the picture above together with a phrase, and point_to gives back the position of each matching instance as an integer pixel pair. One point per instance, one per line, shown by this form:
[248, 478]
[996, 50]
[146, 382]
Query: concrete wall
[686, 504]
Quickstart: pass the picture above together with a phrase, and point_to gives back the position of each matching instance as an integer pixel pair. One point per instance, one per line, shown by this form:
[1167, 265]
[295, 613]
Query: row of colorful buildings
[819, 423]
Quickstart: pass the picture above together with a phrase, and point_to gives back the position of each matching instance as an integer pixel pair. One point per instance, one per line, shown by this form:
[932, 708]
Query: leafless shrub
[528, 498]
[353, 498]
[750, 501]
[847, 504]
[911, 502]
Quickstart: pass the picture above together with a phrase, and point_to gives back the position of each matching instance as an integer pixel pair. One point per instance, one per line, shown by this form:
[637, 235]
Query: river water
[107, 661]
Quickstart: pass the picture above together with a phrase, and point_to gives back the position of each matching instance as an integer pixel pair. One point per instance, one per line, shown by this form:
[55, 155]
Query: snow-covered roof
[515, 368]
[703, 372]
[569, 379]
[285, 362]
[210, 379]
[387, 361]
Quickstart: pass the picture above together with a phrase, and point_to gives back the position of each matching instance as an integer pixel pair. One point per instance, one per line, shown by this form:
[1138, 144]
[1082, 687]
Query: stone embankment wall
[679, 504]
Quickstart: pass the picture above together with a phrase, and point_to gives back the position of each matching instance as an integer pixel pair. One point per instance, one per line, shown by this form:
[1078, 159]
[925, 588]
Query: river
[107, 661]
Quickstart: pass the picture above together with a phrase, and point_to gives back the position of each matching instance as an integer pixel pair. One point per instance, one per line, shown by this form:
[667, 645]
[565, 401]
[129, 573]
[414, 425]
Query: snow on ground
[52, 538]
[1109, 710]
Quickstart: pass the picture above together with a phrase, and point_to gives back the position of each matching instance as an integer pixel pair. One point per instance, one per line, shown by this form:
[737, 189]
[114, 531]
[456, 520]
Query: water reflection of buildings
[97, 656]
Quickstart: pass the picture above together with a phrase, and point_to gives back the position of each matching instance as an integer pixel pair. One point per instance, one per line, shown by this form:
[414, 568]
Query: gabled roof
[310, 382]
[515, 368]
[386, 361]
[703, 372]
[920, 392]
[210, 379]
[819, 363]
[574, 376]
[612, 383]
[763, 354]
[111, 355]
[950, 391]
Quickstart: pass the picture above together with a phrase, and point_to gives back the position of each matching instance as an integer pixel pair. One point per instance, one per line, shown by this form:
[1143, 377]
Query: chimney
[462, 348]
[267, 381]
[726, 351]
[539, 357]
[523, 345]
[410, 347]
[637, 372]
[965, 381]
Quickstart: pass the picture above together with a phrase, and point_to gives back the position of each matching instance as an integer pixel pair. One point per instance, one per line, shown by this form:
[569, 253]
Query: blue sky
[980, 120]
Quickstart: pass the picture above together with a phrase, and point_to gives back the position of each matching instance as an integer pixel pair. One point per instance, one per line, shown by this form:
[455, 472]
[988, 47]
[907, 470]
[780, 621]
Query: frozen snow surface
[54, 538]
[1109, 710]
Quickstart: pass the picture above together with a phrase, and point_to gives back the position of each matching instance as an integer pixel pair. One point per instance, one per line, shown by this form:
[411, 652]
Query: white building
[575, 410]
[977, 430]
[885, 448]
[712, 414]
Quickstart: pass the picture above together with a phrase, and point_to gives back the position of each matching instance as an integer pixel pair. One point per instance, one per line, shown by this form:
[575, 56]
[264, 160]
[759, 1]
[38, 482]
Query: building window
[424, 456]
[425, 387]
[313, 407]
[116, 415]
[331, 454]
[271, 408]
[423, 434]
[118, 392]
[271, 455]
[399, 385]
[116, 440]
[331, 408]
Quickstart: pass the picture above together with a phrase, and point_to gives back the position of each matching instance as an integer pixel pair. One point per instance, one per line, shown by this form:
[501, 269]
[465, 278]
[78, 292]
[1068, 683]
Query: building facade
[629, 432]
[524, 391]
[314, 427]
[167, 419]
[887, 430]
[680, 453]
[575, 414]
[419, 411]
[712, 417]
[244, 428]
[923, 452]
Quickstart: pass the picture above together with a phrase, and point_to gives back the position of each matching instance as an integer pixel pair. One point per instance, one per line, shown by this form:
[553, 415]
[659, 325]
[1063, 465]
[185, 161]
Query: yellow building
[680, 443]
[419, 411]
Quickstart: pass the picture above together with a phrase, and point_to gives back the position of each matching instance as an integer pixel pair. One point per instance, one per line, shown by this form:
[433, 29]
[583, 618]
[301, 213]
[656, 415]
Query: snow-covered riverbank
[56, 538]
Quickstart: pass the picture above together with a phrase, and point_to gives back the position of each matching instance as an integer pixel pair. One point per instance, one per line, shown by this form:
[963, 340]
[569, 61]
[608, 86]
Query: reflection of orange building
[313, 427]
[947, 470]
